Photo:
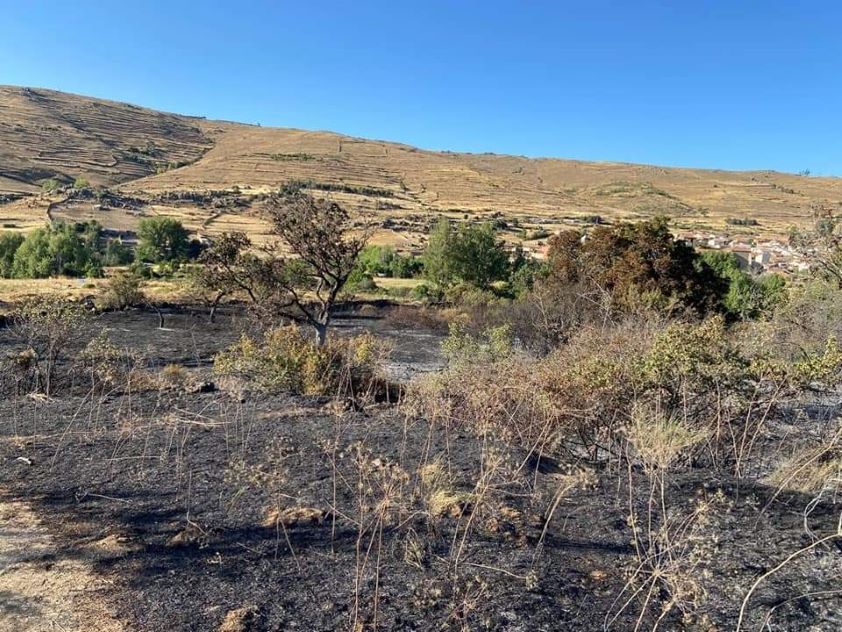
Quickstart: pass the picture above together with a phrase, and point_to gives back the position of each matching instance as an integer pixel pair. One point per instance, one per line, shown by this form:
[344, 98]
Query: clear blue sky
[728, 83]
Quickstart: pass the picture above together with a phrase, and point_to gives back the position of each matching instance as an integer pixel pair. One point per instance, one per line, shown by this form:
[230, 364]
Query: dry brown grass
[417, 184]
[295, 516]
[48, 130]
[239, 619]
[156, 290]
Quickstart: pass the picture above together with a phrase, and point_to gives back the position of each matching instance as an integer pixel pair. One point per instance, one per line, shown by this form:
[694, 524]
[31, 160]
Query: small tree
[318, 233]
[303, 287]
[162, 239]
[471, 254]
[636, 264]
[478, 257]
[437, 257]
[227, 267]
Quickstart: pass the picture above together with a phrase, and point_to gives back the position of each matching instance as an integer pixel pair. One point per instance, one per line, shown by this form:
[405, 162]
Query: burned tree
[299, 278]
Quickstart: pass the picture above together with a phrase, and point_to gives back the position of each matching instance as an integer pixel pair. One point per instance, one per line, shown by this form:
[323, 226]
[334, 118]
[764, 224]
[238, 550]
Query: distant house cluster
[759, 256]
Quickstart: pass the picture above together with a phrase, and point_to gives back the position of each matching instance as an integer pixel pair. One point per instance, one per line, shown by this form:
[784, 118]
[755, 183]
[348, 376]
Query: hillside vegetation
[164, 159]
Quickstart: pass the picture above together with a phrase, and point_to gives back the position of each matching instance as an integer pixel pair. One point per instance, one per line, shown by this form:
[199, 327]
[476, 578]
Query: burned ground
[260, 512]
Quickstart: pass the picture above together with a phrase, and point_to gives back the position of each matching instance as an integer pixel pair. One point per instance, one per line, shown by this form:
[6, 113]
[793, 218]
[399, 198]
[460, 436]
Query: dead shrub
[46, 326]
[174, 376]
[581, 398]
[104, 362]
[814, 470]
[673, 546]
[502, 398]
[111, 368]
[415, 316]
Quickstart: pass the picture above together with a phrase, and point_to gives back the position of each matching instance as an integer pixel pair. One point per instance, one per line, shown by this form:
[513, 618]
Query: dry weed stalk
[671, 548]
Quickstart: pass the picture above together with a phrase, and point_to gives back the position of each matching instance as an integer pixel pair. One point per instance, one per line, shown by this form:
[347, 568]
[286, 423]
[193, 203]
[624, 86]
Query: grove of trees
[82, 249]
[60, 249]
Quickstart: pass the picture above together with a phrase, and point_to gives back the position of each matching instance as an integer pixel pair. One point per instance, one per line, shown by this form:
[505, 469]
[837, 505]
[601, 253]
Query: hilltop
[207, 172]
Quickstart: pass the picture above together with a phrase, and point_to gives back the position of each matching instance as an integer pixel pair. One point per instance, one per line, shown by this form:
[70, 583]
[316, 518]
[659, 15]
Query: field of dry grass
[13, 291]
[145, 154]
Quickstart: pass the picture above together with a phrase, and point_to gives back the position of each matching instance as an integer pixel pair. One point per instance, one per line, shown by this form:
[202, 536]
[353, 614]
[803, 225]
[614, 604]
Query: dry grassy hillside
[47, 134]
[150, 154]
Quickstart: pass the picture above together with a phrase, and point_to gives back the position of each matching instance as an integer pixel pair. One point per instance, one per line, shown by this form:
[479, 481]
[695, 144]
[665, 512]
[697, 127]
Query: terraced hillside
[163, 157]
[46, 134]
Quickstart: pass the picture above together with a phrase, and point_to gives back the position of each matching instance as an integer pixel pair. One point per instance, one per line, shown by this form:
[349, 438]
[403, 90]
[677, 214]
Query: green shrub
[360, 281]
[407, 267]
[385, 261]
[492, 344]
[51, 185]
[427, 293]
[286, 359]
[468, 296]
[116, 253]
[746, 296]
[122, 291]
[9, 244]
[144, 271]
[59, 249]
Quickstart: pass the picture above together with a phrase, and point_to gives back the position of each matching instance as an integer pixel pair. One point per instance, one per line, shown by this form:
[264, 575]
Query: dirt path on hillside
[40, 590]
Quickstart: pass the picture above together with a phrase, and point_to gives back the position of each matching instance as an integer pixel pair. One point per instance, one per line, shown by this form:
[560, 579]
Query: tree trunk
[217, 300]
[159, 313]
[321, 334]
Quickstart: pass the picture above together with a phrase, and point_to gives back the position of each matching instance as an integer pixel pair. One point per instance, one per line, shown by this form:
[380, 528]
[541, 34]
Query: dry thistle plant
[672, 546]
[380, 503]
